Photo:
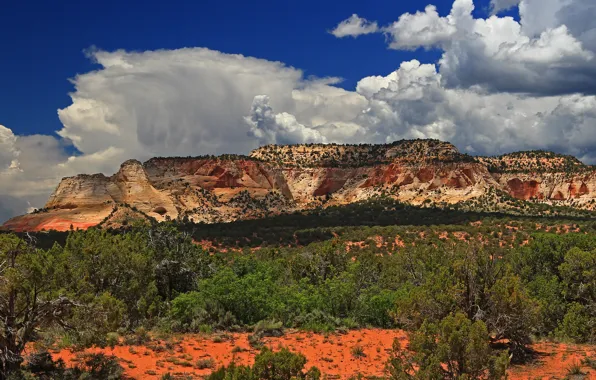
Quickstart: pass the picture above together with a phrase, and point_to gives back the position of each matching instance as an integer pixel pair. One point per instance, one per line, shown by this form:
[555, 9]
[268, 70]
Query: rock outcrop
[275, 179]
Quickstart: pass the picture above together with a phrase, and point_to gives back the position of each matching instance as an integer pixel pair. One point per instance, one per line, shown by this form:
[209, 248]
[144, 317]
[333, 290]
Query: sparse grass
[575, 369]
[179, 361]
[218, 339]
[358, 352]
[205, 363]
[183, 363]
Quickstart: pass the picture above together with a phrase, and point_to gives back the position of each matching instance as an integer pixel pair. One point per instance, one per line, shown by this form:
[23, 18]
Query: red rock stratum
[275, 179]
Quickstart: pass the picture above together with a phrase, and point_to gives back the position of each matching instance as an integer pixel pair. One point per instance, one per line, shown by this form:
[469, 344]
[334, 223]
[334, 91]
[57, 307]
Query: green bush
[375, 306]
[282, 365]
[454, 348]
[269, 365]
[205, 363]
[410, 266]
[233, 372]
[96, 367]
[269, 328]
[43, 366]
[578, 325]
[317, 321]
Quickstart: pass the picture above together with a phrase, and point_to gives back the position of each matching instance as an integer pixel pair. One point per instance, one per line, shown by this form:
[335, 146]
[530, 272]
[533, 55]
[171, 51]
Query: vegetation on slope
[493, 282]
[534, 161]
[359, 155]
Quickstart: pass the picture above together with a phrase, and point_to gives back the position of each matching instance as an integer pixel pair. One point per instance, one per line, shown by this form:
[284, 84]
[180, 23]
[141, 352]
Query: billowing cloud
[422, 29]
[354, 26]
[188, 101]
[282, 128]
[577, 15]
[498, 55]
[29, 170]
[413, 102]
[500, 86]
[8, 150]
[550, 51]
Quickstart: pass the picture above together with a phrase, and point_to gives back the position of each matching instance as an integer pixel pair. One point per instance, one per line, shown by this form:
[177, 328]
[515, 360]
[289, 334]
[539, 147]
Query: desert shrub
[282, 365]
[100, 317]
[313, 374]
[42, 365]
[411, 268]
[560, 272]
[374, 307]
[589, 362]
[96, 367]
[249, 297]
[191, 312]
[512, 315]
[577, 325]
[452, 349]
[269, 365]
[269, 328]
[205, 363]
[547, 291]
[233, 372]
[112, 339]
[317, 321]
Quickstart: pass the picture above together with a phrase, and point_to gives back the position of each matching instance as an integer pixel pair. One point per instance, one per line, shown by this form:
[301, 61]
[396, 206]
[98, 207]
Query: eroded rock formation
[275, 179]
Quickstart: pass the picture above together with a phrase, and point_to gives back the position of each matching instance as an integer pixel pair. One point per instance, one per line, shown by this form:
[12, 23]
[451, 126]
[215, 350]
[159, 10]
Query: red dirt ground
[331, 353]
[553, 361]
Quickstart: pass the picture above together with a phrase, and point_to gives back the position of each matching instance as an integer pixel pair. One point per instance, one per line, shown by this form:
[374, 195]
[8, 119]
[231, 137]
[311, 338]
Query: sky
[87, 85]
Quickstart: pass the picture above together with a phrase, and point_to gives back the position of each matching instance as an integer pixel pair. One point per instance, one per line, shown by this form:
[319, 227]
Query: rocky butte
[275, 179]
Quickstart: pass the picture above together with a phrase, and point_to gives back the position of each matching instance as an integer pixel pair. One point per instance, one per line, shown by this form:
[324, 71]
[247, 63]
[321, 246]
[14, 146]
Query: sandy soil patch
[331, 353]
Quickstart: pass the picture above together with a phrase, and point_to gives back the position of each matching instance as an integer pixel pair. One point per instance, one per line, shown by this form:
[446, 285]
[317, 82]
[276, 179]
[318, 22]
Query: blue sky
[43, 42]
[88, 85]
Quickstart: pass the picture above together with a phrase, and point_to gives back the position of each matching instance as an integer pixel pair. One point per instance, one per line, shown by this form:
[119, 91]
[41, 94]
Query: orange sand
[332, 354]
[553, 361]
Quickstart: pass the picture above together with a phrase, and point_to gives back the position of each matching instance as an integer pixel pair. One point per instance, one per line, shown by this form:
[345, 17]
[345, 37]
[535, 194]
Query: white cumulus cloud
[8, 150]
[500, 86]
[550, 51]
[282, 128]
[354, 26]
[422, 29]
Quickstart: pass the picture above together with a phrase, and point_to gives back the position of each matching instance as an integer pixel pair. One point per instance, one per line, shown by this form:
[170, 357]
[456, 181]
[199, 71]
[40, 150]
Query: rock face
[274, 179]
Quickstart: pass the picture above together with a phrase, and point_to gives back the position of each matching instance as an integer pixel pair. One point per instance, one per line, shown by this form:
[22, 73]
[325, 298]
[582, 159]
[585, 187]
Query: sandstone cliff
[274, 179]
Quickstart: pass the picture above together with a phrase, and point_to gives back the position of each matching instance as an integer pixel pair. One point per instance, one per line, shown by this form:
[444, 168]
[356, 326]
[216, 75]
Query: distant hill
[280, 179]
